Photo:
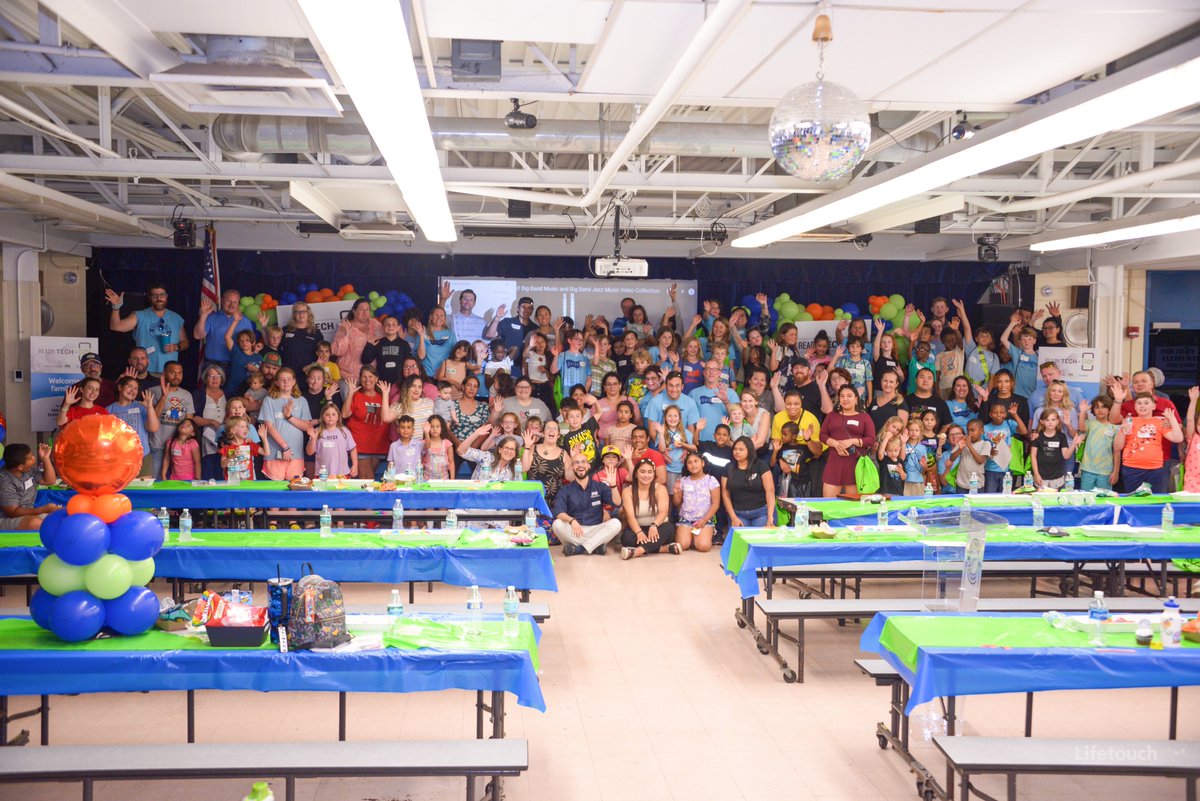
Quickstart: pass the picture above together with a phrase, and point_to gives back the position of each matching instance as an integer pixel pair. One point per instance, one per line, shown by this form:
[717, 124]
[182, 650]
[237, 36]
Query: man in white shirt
[466, 325]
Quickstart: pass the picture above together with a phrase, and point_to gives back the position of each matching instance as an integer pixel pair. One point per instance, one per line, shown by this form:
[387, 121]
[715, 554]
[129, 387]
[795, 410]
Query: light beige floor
[652, 693]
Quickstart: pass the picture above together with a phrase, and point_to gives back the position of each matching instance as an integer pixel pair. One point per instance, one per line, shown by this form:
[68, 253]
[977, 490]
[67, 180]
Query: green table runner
[260, 486]
[341, 538]
[839, 509]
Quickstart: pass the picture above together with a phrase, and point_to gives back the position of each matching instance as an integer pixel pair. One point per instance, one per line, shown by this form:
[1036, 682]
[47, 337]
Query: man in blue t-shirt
[156, 329]
[213, 324]
[513, 330]
[712, 400]
[673, 396]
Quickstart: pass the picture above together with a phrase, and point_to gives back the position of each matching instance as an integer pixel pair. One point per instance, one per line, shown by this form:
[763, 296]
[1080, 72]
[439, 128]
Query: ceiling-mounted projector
[616, 267]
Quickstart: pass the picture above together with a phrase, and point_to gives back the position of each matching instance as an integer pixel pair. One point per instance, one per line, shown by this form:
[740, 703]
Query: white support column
[20, 318]
[1109, 317]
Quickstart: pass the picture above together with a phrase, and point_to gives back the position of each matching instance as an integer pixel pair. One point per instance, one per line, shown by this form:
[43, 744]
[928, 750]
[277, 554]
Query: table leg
[3, 720]
[46, 720]
[479, 708]
[342, 717]
[87, 790]
[497, 734]
[412, 593]
[1174, 725]
[1028, 714]
[769, 582]
[951, 722]
[800, 651]
[1011, 785]
[524, 596]
[191, 716]
[289, 788]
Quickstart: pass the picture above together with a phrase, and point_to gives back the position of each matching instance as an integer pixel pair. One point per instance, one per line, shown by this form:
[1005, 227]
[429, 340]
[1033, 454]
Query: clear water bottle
[323, 478]
[1097, 617]
[485, 472]
[398, 516]
[518, 469]
[451, 520]
[964, 513]
[164, 520]
[395, 605]
[1039, 514]
[881, 516]
[1008, 482]
[1069, 482]
[512, 625]
[1172, 624]
[474, 610]
[326, 521]
[928, 489]
[185, 526]
[1168, 517]
[531, 519]
[390, 473]
[800, 523]
[974, 484]
[418, 473]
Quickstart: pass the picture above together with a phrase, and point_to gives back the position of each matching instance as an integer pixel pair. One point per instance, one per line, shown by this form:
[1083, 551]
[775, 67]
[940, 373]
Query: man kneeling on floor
[19, 481]
[581, 512]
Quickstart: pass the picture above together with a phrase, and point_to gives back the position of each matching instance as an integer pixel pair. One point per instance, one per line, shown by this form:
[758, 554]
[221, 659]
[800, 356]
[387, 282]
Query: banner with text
[53, 366]
[1081, 368]
[328, 316]
[807, 331]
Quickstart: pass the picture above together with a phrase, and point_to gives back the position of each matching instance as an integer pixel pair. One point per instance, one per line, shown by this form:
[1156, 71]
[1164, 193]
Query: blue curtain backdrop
[831, 282]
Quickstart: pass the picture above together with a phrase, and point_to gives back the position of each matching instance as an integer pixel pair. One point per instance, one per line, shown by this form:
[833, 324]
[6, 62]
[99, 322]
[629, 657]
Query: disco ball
[819, 131]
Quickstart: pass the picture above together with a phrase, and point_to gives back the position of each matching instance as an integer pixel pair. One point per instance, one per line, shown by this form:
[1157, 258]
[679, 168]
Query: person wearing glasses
[155, 328]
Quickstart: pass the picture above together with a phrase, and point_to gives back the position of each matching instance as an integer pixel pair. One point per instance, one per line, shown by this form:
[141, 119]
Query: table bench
[776, 610]
[1012, 756]
[257, 761]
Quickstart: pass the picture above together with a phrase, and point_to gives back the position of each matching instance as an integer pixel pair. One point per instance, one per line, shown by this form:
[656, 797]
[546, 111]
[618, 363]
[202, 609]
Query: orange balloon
[79, 504]
[98, 454]
[814, 309]
[327, 292]
[826, 316]
[314, 297]
[109, 507]
[827, 309]
[346, 288]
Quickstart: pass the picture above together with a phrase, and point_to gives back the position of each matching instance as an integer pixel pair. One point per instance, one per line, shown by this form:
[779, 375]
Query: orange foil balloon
[98, 454]
[109, 507]
[79, 504]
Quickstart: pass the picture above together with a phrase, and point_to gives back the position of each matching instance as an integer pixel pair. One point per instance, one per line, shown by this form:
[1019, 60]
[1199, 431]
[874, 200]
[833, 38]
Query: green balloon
[350, 296]
[252, 311]
[902, 350]
[259, 298]
[272, 317]
[141, 572]
[58, 578]
[914, 320]
[788, 310]
[837, 314]
[804, 317]
[784, 296]
[108, 577]
[897, 301]
[372, 295]
[888, 310]
[245, 301]
[379, 303]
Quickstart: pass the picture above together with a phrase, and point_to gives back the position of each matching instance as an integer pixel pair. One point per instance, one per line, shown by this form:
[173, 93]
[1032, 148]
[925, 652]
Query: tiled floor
[652, 693]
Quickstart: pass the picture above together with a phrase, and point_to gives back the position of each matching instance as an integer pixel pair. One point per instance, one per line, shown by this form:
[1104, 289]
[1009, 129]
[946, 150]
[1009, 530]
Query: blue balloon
[49, 528]
[3, 432]
[132, 613]
[136, 536]
[404, 296]
[77, 616]
[288, 298]
[81, 539]
[851, 309]
[39, 607]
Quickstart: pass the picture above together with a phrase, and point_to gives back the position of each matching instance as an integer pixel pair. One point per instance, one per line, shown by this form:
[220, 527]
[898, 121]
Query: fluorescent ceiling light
[367, 45]
[1160, 223]
[1156, 86]
[907, 211]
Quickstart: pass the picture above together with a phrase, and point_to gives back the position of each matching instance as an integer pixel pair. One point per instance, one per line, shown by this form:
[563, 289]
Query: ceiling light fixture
[820, 130]
[1156, 86]
[1143, 226]
[367, 45]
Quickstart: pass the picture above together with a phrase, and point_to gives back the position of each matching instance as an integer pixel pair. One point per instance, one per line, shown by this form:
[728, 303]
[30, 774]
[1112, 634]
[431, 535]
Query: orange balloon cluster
[876, 302]
[98, 455]
[326, 295]
[820, 312]
[268, 302]
[106, 507]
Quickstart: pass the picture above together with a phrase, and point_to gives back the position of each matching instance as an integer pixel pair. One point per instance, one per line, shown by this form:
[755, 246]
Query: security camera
[988, 252]
[519, 119]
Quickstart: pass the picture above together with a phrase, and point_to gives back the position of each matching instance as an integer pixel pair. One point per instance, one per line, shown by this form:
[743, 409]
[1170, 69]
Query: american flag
[210, 282]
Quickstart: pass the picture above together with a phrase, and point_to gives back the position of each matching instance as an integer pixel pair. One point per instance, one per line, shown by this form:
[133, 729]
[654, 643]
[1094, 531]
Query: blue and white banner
[1081, 368]
[53, 366]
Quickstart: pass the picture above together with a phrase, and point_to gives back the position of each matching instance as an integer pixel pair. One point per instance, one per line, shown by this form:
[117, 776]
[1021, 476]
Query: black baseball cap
[89, 357]
[525, 300]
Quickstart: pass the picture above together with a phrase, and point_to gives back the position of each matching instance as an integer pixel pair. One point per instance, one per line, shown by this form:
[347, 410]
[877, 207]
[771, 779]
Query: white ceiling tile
[760, 31]
[641, 47]
[574, 21]
[223, 17]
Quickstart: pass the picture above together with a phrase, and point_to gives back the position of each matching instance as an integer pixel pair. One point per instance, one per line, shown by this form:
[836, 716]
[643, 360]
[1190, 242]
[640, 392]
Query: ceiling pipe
[1123, 183]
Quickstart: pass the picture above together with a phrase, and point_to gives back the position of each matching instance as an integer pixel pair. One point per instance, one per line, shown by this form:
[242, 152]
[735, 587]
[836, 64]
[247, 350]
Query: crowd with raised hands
[651, 436]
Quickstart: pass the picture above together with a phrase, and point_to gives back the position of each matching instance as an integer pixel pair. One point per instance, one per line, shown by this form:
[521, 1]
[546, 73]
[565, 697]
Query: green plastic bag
[866, 475]
[1019, 465]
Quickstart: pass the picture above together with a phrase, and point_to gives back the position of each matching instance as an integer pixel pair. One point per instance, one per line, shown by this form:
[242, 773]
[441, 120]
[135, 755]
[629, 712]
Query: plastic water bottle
[390, 473]
[326, 521]
[164, 520]
[512, 625]
[1168, 517]
[974, 484]
[518, 469]
[185, 526]
[1008, 481]
[800, 523]
[1097, 617]
[474, 610]
[395, 605]
[485, 472]
[398, 516]
[1039, 514]
[530, 519]
[1172, 624]
[1068, 482]
[451, 520]
[928, 490]
[881, 516]
[323, 478]
[964, 512]
[418, 473]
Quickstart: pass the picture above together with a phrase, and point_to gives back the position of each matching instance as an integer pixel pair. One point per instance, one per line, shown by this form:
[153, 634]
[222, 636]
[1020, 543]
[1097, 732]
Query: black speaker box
[996, 315]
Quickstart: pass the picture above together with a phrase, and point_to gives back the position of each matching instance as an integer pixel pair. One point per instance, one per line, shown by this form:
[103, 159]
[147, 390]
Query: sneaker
[570, 549]
[601, 551]
[626, 553]
[675, 548]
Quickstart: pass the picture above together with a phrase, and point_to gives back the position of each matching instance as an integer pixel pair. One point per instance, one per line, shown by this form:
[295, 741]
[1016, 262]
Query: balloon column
[101, 553]
[392, 301]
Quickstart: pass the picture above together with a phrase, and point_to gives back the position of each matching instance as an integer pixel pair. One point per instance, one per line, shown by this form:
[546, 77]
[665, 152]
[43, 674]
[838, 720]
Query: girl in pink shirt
[182, 462]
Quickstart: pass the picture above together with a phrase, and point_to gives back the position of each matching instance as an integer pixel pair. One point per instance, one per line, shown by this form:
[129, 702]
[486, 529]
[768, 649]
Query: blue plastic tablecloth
[946, 672]
[526, 568]
[760, 556]
[232, 498]
[390, 670]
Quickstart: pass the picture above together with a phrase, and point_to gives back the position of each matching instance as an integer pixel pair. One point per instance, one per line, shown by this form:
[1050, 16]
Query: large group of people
[660, 435]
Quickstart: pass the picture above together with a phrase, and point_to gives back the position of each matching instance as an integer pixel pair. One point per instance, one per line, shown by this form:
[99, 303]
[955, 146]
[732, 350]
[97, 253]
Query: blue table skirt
[760, 556]
[946, 672]
[526, 568]
[387, 670]
[219, 498]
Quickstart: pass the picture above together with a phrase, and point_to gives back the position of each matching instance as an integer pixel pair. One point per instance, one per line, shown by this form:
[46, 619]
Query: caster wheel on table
[738, 619]
[805, 595]
[928, 795]
[883, 741]
[789, 676]
[761, 644]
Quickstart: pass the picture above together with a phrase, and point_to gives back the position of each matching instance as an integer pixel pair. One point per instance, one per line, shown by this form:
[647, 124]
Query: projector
[614, 267]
